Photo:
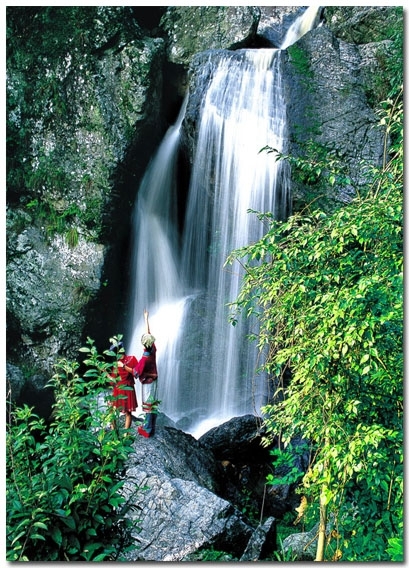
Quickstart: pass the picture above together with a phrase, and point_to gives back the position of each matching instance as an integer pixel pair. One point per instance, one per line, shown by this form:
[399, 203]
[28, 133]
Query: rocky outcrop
[362, 24]
[178, 510]
[262, 542]
[191, 29]
[275, 22]
[327, 105]
[59, 281]
[301, 546]
[190, 495]
[79, 126]
[244, 464]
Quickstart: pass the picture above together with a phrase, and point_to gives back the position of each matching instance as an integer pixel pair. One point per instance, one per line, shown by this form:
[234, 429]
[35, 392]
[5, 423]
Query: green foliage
[65, 479]
[248, 506]
[395, 549]
[211, 555]
[284, 460]
[56, 222]
[301, 63]
[72, 237]
[65, 219]
[329, 297]
[317, 170]
[287, 526]
[282, 555]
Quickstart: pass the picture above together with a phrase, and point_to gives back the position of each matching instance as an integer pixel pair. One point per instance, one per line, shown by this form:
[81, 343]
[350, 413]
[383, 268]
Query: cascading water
[301, 26]
[155, 262]
[242, 111]
[206, 365]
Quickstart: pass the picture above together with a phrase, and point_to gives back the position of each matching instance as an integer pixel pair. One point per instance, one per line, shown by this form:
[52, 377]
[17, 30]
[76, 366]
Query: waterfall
[207, 367]
[155, 260]
[301, 26]
[243, 110]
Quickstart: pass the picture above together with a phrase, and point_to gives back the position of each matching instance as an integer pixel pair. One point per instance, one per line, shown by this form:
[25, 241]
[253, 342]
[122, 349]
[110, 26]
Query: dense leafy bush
[328, 293]
[64, 479]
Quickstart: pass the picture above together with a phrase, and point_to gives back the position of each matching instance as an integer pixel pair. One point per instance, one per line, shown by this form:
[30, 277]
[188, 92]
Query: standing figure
[148, 376]
[125, 398]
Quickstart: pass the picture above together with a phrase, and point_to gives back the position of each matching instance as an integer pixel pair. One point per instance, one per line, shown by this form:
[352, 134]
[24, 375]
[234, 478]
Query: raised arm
[146, 316]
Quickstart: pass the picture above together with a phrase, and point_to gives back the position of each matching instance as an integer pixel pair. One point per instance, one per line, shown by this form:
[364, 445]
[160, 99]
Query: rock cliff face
[88, 105]
[75, 115]
[191, 30]
[328, 106]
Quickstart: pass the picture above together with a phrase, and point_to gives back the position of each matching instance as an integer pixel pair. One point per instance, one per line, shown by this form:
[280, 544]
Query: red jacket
[126, 377]
[146, 367]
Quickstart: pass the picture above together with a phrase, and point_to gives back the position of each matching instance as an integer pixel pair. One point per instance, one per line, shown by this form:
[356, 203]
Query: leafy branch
[328, 292]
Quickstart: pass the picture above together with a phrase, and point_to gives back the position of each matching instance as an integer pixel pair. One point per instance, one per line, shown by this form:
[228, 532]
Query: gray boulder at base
[262, 542]
[244, 466]
[302, 545]
[177, 511]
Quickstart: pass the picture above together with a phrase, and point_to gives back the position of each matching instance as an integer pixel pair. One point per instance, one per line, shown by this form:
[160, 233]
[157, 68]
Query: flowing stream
[208, 367]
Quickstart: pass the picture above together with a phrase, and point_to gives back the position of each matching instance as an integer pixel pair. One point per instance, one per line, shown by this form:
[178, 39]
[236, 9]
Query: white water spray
[155, 262]
[243, 110]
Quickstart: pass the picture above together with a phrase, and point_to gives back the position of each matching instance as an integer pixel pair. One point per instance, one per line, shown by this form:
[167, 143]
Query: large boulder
[177, 510]
[59, 281]
[262, 542]
[244, 463]
[301, 546]
[237, 438]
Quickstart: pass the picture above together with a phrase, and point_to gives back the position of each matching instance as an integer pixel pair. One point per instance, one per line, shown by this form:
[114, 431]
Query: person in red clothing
[125, 398]
[148, 376]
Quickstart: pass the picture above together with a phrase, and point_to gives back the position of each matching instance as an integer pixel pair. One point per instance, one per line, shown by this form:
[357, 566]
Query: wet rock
[192, 29]
[241, 435]
[244, 464]
[328, 106]
[177, 509]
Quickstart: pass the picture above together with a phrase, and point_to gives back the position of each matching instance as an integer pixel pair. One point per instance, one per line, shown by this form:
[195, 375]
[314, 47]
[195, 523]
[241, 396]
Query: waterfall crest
[206, 365]
[301, 26]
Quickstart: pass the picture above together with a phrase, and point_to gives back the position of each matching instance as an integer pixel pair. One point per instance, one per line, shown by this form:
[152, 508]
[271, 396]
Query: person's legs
[149, 392]
[128, 419]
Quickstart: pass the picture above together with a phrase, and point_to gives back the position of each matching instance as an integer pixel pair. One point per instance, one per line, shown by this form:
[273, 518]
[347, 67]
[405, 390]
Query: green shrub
[65, 478]
[328, 293]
